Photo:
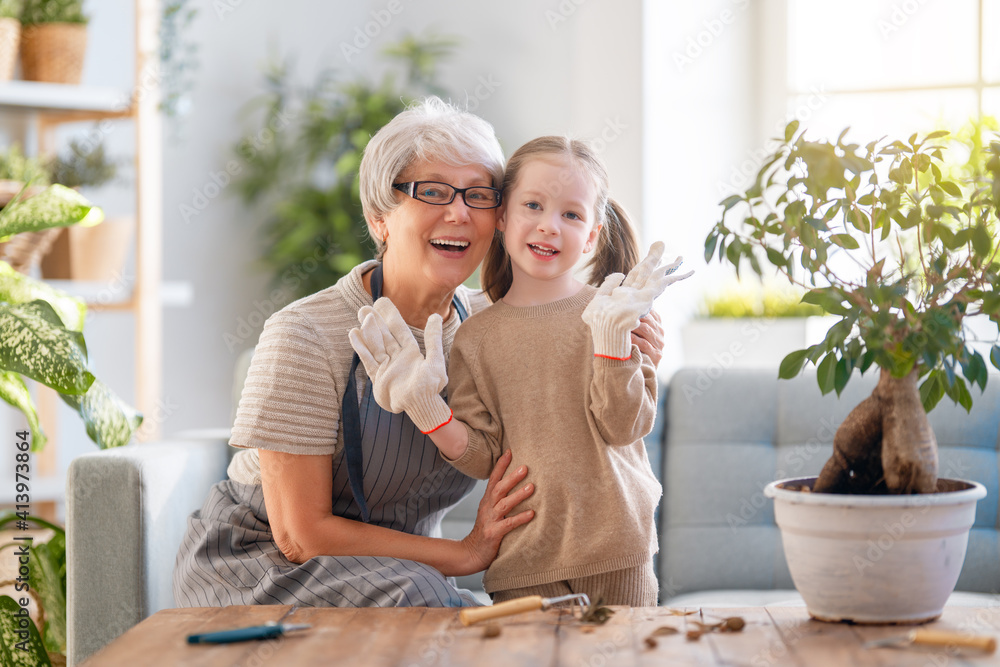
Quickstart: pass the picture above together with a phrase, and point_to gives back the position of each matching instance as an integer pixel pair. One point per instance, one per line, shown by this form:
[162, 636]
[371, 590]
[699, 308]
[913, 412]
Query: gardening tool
[940, 638]
[519, 606]
[269, 630]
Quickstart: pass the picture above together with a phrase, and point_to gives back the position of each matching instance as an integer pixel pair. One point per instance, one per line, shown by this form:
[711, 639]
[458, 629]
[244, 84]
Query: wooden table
[420, 637]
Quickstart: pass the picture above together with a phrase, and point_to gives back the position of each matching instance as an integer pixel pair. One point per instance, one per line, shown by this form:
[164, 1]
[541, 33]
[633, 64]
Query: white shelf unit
[48, 106]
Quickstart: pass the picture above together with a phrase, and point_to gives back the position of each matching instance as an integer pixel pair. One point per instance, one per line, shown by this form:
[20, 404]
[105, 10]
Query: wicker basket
[90, 253]
[24, 251]
[53, 52]
[10, 38]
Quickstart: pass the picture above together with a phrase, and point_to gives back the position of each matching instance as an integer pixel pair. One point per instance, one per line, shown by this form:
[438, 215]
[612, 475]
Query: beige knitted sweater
[293, 391]
[527, 379]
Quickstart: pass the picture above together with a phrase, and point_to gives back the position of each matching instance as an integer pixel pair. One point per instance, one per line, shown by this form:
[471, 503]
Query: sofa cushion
[730, 432]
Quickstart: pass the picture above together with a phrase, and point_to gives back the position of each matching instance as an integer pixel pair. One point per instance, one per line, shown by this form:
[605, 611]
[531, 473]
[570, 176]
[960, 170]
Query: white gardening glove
[616, 308]
[403, 380]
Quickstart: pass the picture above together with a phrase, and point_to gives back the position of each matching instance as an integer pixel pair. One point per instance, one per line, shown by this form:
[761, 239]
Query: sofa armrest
[126, 513]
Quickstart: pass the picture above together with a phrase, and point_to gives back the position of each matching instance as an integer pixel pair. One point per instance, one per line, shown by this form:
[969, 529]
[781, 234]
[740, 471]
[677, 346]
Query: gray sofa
[720, 437]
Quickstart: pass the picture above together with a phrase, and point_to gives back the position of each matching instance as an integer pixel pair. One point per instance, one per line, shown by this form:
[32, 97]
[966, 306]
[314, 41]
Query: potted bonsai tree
[53, 40]
[880, 237]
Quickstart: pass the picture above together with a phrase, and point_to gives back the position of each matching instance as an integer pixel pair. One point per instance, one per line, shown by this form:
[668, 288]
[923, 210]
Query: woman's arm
[648, 337]
[298, 494]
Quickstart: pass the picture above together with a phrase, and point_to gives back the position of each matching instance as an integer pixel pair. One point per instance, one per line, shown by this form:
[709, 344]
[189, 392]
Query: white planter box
[874, 559]
[749, 342]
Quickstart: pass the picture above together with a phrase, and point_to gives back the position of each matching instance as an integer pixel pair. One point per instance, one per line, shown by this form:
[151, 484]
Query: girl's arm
[623, 398]
[298, 495]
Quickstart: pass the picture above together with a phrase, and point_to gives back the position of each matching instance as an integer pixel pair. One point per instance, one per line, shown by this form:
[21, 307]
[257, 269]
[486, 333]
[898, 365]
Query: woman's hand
[492, 522]
[648, 337]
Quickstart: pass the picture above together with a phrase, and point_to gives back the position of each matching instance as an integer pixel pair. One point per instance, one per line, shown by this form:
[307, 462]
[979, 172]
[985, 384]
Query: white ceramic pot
[875, 559]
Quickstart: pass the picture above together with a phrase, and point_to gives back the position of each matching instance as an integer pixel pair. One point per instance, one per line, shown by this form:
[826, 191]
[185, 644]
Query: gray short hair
[429, 130]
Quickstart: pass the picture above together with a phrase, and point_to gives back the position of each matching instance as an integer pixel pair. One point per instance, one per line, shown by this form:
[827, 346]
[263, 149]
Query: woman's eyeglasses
[441, 194]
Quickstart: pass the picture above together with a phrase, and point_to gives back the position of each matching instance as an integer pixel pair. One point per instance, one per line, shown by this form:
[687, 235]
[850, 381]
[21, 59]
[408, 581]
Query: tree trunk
[886, 438]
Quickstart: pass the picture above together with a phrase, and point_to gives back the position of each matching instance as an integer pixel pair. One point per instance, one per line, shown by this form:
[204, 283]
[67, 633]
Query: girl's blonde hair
[617, 246]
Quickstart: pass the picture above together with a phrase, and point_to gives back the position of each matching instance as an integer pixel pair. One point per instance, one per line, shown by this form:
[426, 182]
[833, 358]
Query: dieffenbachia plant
[41, 329]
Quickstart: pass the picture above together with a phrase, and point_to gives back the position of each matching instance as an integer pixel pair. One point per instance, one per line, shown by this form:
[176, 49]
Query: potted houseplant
[882, 238]
[41, 329]
[748, 326]
[95, 253]
[10, 37]
[25, 641]
[305, 173]
[53, 40]
[25, 176]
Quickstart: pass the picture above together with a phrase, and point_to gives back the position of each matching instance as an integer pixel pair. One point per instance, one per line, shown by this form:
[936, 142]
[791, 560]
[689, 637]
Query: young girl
[548, 371]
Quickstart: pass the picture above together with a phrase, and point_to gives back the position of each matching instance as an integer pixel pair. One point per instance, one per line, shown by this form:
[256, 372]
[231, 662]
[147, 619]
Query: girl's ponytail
[496, 275]
[617, 246]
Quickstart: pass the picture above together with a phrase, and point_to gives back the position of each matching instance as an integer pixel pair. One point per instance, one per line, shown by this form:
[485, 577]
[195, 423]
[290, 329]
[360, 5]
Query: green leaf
[790, 130]
[995, 356]
[710, 244]
[775, 257]
[48, 577]
[34, 343]
[18, 288]
[826, 373]
[11, 654]
[730, 202]
[14, 391]
[959, 392]
[845, 241]
[951, 188]
[56, 206]
[792, 364]
[937, 134]
[842, 375]
[931, 391]
[110, 421]
[982, 243]
[826, 298]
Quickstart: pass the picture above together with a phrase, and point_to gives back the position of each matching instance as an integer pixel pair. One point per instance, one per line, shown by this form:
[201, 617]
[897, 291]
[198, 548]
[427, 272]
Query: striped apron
[228, 555]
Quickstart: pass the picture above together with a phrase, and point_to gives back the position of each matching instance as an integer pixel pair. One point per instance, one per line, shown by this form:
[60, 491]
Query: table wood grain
[422, 637]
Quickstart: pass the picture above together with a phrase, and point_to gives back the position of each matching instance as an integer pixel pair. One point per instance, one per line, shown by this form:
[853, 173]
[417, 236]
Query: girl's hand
[619, 304]
[648, 337]
[492, 522]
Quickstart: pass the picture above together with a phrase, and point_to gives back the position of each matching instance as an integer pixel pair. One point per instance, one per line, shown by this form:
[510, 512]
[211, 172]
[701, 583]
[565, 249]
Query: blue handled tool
[268, 630]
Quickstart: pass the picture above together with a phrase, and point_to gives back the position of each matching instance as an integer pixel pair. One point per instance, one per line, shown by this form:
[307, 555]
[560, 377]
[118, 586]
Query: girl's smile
[549, 222]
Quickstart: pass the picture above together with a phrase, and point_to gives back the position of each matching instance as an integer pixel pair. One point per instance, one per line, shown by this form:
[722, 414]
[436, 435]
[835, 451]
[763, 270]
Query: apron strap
[351, 415]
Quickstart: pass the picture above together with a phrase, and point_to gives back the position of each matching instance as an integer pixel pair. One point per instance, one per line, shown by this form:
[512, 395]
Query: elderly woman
[333, 501]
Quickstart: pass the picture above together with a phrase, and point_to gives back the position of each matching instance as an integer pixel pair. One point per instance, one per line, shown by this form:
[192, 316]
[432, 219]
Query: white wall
[706, 119]
[554, 67]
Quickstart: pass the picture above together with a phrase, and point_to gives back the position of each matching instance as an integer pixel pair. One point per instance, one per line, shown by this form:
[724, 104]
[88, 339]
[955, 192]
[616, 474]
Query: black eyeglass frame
[411, 189]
